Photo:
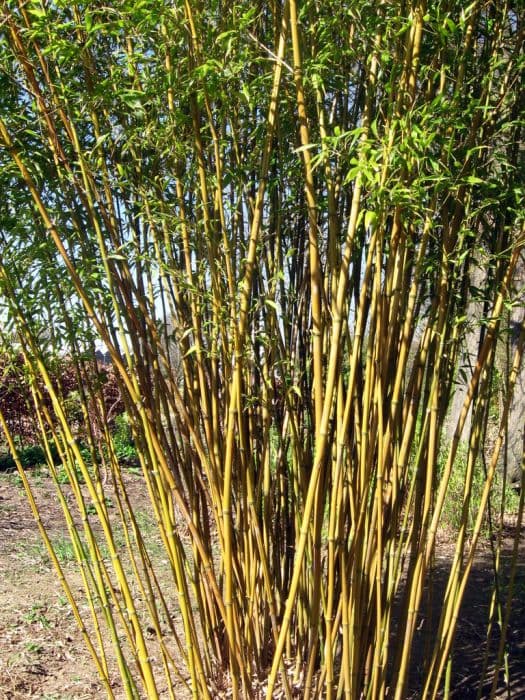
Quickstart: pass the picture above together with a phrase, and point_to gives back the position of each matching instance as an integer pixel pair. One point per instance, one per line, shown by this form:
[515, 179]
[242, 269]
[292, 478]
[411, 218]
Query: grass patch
[38, 555]
[453, 505]
[37, 615]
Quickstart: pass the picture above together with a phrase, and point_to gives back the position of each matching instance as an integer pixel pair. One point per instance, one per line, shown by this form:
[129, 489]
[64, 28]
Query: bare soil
[42, 654]
[473, 649]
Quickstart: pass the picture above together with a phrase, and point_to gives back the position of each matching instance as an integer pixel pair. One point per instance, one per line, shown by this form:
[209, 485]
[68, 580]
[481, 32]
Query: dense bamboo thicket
[272, 216]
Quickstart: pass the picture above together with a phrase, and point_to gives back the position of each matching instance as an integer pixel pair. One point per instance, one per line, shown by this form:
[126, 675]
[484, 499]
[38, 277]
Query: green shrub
[452, 507]
[123, 442]
[30, 456]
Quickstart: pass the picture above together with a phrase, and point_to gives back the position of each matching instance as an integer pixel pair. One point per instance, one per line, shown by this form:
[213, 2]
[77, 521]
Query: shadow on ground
[471, 650]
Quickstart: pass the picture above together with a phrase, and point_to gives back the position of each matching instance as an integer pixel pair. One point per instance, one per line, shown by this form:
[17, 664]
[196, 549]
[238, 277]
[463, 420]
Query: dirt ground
[42, 654]
[471, 652]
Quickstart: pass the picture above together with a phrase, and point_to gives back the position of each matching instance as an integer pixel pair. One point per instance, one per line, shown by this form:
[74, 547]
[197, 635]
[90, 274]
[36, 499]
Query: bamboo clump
[269, 217]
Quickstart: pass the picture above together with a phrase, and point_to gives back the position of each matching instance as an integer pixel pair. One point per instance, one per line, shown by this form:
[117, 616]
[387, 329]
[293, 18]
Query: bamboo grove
[271, 215]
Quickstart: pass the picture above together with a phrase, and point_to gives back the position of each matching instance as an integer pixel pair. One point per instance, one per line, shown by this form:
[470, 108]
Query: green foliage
[63, 475]
[38, 614]
[511, 497]
[30, 456]
[123, 443]
[64, 550]
[452, 509]
[503, 501]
